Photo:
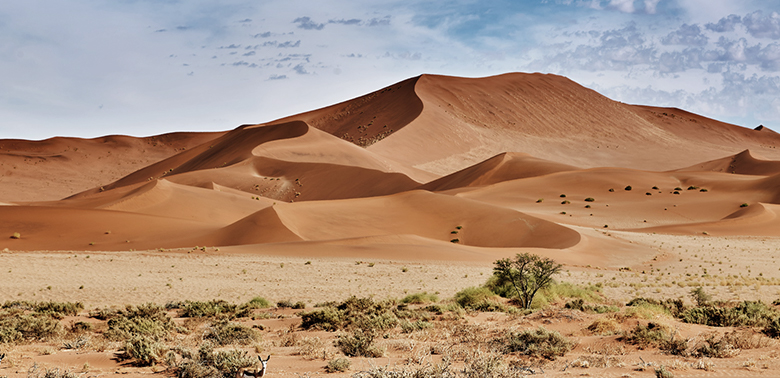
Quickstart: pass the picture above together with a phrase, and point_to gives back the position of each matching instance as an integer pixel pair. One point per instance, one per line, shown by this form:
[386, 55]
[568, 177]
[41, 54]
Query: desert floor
[730, 268]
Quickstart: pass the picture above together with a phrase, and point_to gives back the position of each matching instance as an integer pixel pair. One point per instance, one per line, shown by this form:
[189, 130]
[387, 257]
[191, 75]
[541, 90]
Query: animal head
[264, 362]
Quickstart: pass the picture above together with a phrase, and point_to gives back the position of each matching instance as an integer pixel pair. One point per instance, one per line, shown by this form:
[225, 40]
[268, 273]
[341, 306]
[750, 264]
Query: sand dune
[503, 167]
[742, 163]
[55, 168]
[499, 164]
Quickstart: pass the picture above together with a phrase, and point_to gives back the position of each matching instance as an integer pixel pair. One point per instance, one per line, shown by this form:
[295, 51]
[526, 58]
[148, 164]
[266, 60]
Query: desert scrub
[148, 320]
[17, 327]
[213, 364]
[605, 326]
[289, 304]
[650, 335]
[225, 332]
[744, 314]
[56, 309]
[417, 325]
[359, 344]
[197, 309]
[335, 365]
[539, 342]
[351, 313]
[479, 299]
[673, 307]
[144, 350]
[420, 298]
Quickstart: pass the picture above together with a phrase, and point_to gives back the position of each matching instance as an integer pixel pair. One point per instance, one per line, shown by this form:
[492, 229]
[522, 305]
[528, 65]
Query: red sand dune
[55, 168]
[397, 171]
[742, 163]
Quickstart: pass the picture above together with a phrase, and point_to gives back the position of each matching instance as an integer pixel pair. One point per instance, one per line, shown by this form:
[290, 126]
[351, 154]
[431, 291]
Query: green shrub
[144, 350]
[420, 298]
[358, 344]
[674, 307]
[772, 329]
[211, 364]
[539, 342]
[700, 297]
[418, 325]
[663, 372]
[589, 199]
[17, 327]
[148, 320]
[744, 314]
[196, 309]
[337, 365]
[477, 298]
[650, 335]
[326, 319]
[225, 332]
[59, 309]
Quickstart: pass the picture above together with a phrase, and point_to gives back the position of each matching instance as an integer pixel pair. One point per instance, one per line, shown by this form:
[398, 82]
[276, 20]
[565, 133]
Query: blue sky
[141, 67]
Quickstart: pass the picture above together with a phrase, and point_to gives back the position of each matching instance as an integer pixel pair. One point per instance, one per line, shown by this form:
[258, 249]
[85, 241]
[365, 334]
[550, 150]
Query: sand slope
[432, 166]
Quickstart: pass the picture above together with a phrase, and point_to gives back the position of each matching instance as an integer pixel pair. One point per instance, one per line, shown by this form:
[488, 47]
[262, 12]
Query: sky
[88, 68]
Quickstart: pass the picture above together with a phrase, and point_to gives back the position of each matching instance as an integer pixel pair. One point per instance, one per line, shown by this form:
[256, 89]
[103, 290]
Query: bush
[605, 326]
[539, 342]
[144, 320]
[225, 332]
[16, 327]
[589, 199]
[773, 328]
[59, 309]
[478, 298]
[650, 335]
[211, 364]
[327, 319]
[144, 350]
[196, 309]
[337, 365]
[744, 314]
[674, 307]
[700, 297]
[418, 325]
[420, 298]
[358, 344]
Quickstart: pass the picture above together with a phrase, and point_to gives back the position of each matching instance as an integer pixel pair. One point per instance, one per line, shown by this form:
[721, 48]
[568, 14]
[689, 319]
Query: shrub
[605, 326]
[589, 199]
[744, 205]
[744, 314]
[650, 335]
[196, 309]
[17, 327]
[539, 342]
[662, 372]
[674, 307]
[358, 344]
[259, 302]
[628, 187]
[337, 365]
[144, 320]
[225, 332]
[565, 202]
[420, 298]
[144, 350]
[700, 297]
[327, 319]
[418, 325]
[59, 309]
[211, 364]
[477, 298]
[772, 329]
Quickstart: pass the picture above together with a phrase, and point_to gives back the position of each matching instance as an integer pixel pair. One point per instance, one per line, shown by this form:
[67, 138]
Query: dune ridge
[473, 167]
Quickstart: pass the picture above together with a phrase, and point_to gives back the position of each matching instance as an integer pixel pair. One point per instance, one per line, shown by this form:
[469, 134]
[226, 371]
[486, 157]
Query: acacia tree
[527, 273]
